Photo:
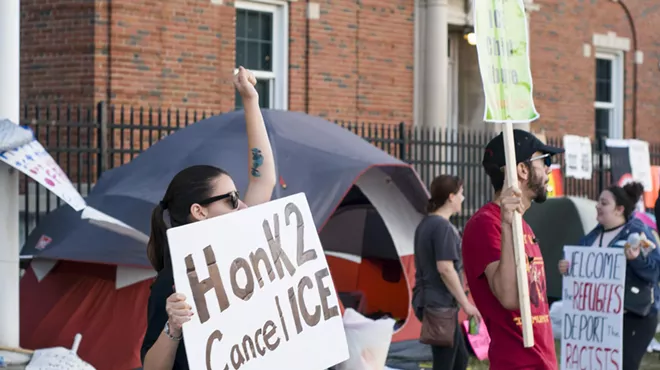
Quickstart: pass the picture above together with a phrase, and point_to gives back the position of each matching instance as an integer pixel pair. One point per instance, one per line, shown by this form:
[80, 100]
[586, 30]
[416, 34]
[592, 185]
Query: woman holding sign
[617, 228]
[195, 194]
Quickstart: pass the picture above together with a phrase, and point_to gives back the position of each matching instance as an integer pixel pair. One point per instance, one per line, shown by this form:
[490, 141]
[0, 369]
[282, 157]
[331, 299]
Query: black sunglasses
[232, 195]
[547, 159]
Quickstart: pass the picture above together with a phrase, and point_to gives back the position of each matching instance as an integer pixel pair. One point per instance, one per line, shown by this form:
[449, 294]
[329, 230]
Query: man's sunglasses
[232, 195]
[547, 159]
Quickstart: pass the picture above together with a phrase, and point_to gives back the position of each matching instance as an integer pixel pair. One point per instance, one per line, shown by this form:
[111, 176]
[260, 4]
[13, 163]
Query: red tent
[76, 297]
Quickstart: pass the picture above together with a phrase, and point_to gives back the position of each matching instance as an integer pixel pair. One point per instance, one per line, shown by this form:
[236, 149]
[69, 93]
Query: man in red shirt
[489, 263]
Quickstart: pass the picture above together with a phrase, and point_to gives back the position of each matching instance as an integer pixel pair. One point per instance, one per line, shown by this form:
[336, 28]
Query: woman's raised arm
[260, 161]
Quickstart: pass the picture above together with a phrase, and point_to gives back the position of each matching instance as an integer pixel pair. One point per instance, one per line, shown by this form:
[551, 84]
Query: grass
[651, 361]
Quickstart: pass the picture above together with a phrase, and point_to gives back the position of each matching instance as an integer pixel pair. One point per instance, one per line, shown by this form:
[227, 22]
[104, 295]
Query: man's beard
[536, 185]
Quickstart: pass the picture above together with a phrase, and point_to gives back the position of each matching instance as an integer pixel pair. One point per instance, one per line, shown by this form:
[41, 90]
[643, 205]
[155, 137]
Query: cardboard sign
[593, 292]
[260, 288]
[479, 342]
[33, 160]
[503, 51]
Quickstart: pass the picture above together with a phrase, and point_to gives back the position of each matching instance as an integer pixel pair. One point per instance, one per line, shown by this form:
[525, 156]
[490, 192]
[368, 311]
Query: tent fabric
[388, 296]
[82, 298]
[409, 355]
[312, 155]
[368, 237]
[556, 223]
[76, 239]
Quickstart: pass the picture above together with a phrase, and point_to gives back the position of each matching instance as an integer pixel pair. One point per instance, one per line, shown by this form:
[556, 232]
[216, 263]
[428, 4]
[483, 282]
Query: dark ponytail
[192, 185]
[441, 188]
[627, 197]
[158, 239]
[634, 190]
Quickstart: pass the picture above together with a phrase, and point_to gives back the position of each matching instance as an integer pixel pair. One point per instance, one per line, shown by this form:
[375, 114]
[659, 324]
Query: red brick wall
[361, 60]
[56, 42]
[564, 79]
[181, 54]
[170, 54]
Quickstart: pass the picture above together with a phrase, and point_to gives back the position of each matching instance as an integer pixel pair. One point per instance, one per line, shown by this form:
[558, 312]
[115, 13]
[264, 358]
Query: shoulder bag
[638, 298]
[439, 326]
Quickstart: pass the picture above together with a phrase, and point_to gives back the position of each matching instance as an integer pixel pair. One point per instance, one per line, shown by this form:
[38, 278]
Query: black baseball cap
[526, 145]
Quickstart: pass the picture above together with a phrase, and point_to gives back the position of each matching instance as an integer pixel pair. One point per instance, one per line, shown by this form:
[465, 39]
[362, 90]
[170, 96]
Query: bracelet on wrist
[167, 332]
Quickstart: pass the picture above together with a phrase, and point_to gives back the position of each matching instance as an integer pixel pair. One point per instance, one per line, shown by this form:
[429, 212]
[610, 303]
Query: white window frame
[279, 77]
[616, 107]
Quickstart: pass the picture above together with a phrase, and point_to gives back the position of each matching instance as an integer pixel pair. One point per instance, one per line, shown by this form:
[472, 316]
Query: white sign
[577, 158]
[592, 294]
[33, 160]
[260, 288]
[640, 163]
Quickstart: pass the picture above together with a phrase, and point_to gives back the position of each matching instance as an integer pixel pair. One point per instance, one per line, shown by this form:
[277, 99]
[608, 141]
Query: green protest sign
[503, 50]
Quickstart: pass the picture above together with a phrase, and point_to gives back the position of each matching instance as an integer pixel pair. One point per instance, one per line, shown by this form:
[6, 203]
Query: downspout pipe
[633, 29]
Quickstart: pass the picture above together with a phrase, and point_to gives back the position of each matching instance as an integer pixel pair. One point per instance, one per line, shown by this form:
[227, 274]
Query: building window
[609, 95]
[262, 47]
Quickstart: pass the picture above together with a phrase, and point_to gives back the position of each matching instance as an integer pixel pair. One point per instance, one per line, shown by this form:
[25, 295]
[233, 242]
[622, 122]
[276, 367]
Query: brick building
[344, 59]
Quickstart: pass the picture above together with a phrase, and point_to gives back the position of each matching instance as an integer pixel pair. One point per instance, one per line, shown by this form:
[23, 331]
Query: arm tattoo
[257, 161]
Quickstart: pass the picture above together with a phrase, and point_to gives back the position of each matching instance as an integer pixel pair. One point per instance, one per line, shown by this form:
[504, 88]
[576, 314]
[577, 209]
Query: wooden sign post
[503, 50]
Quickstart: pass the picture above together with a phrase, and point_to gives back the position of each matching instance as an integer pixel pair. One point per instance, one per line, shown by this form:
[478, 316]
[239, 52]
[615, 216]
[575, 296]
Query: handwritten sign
[592, 324]
[640, 162]
[503, 51]
[33, 160]
[260, 288]
[479, 342]
[578, 157]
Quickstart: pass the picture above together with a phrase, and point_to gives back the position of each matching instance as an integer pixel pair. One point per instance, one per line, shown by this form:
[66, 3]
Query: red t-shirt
[481, 246]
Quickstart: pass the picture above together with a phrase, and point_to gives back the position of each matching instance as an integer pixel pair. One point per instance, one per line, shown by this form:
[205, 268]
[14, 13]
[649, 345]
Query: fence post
[403, 142]
[102, 137]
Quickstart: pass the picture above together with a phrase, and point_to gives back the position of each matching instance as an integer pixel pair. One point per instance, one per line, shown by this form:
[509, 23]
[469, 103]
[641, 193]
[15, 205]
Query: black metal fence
[87, 140]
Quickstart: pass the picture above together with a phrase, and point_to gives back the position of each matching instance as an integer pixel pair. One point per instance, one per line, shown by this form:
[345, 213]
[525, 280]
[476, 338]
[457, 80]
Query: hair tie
[163, 205]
